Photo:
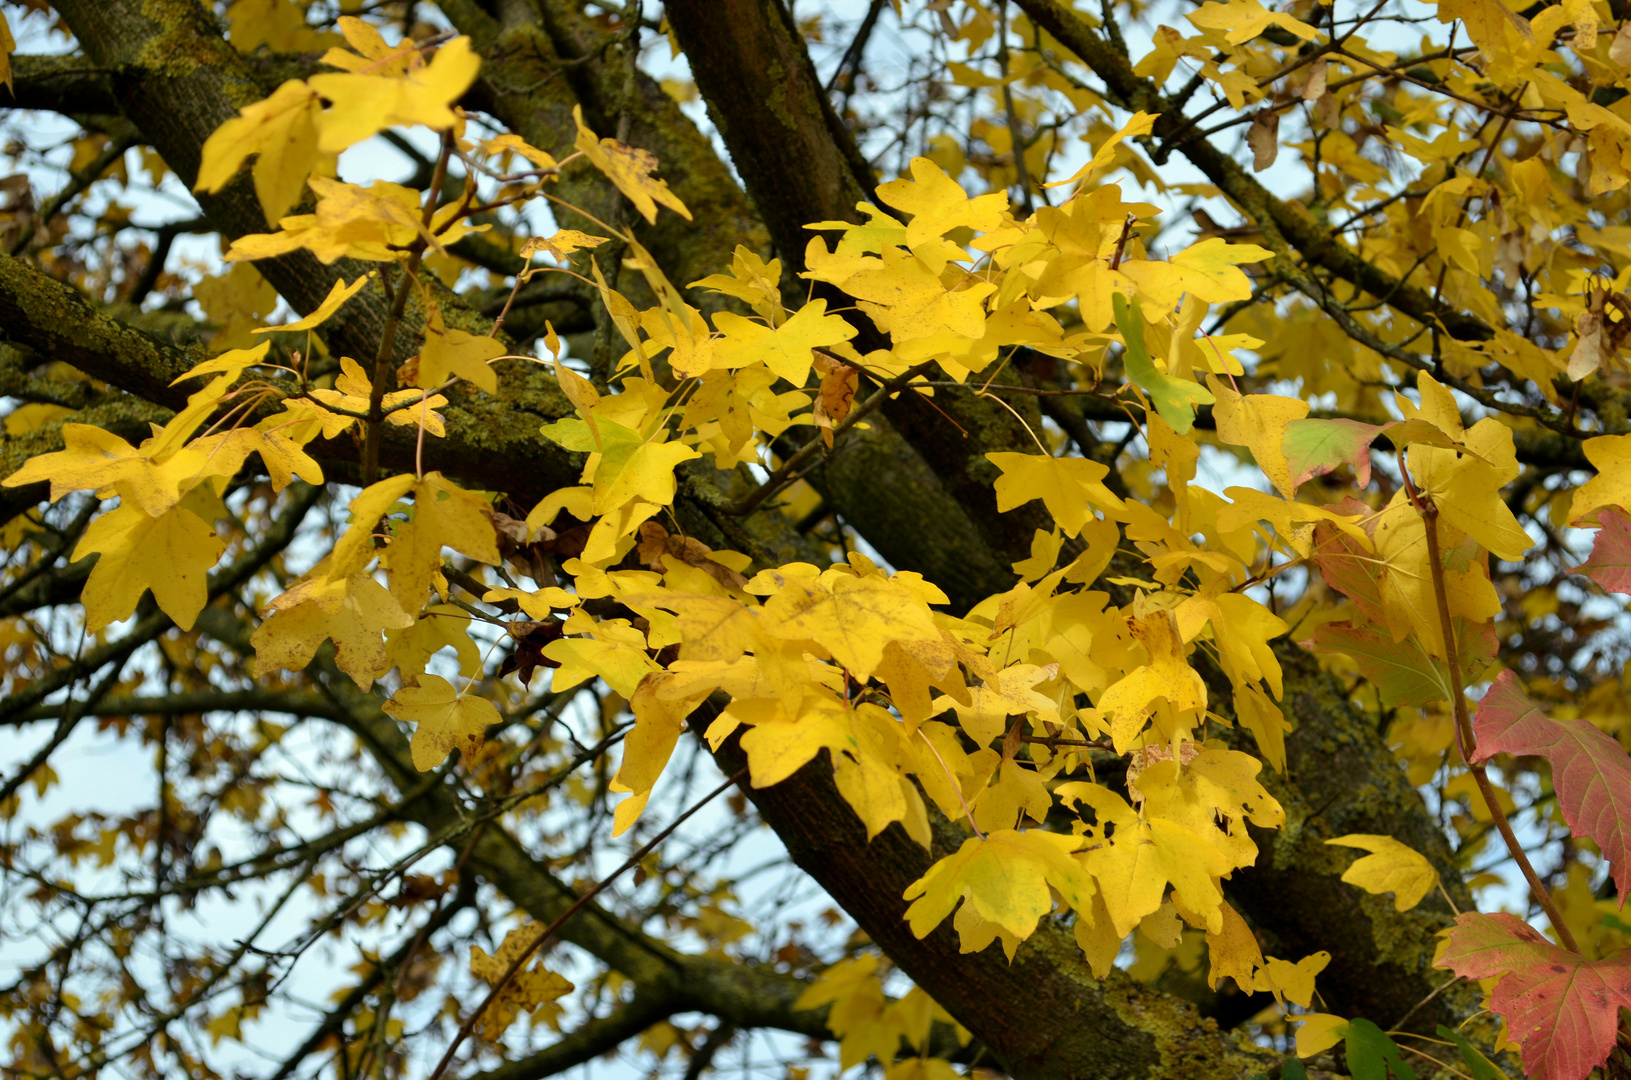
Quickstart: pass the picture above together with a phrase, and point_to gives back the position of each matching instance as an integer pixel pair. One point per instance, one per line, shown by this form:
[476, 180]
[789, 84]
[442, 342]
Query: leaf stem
[387, 337]
[1466, 741]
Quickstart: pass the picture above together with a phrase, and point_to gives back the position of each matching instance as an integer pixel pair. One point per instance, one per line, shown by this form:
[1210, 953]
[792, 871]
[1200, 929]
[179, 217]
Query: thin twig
[520, 961]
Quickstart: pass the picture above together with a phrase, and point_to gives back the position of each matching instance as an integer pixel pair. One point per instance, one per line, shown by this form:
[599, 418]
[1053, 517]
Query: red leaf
[1590, 772]
[1610, 562]
[1561, 1008]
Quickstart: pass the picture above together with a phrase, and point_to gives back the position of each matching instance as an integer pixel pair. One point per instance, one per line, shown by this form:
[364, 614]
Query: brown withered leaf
[836, 397]
[527, 553]
[528, 655]
[1600, 329]
[1264, 139]
[1318, 78]
[657, 545]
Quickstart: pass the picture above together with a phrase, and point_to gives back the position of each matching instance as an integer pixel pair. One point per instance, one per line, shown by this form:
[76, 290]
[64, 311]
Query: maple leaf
[447, 353]
[444, 515]
[1403, 672]
[171, 554]
[1168, 677]
[787, 349]
[1466, 487]
[1390, 867]
[1242, 629]
[283, 131]
[351, 394]
[373, 53]
[1004, 878]
[1611, 455]
[1590, 770]
[1288, 981]
[938, 204]
[984, 715]
[1142, 123]
[853, 618]
[1208, 271]
[1233, 952]
[635, 468]
[288, 638]
[836, 395]
[1069, 487]
[630, 168]
[531, 988]
[8, 45]
[444, 720]
[904, 297]
[1316, 447]
[1260, 422]
[1175, 399]
[1246, 19]
[365, 104]
[336, 299]
[1561, 1008]
[1610, 561]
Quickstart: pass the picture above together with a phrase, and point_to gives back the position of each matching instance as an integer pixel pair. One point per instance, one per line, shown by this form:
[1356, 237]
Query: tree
[534, 503]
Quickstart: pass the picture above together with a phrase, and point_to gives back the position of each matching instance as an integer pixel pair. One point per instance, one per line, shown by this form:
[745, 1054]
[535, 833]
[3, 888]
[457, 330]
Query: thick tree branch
[1043, 1016]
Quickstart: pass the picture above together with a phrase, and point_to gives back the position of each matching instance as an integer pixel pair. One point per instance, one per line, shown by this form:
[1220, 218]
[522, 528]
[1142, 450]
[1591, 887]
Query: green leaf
[1479, 1065]
[1175, 399]
[1372, 1055]
[1293, 1070]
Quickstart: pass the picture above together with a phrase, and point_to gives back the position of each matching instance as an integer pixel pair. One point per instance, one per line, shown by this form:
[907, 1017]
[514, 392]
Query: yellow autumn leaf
[232, 362]
[1129, 701]
[1142, 123]
[853, 618]
[1241, 630]
[984, 714]
[630, 168]
[1258, 421]
[170, 554]
[362, 105]
[1233, 952]
[355, 621]
[444, 515]
[8, 45]
[372, 53]
[1207, 270]
[529, 989]
[1292, 982]
[282, 131]
[451, 353]
[350, 395]
[1242, 20]
[782, 741]
[1611, 455]
[1319, 1032]
[1069, 487]
[786, 350]
[444, 720]
[938, 204]
[1004, 878]
[1390, 867]
[561, 243]
[334, 301]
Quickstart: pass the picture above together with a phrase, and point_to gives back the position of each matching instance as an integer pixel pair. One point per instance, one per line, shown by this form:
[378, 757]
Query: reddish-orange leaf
[1590, 771]
[1562, 1008]
[1610, 562]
